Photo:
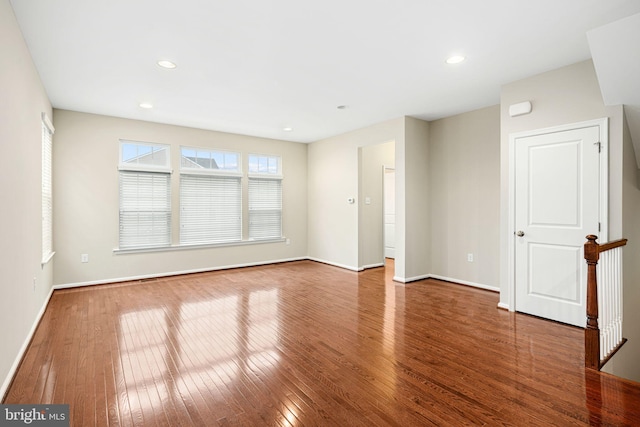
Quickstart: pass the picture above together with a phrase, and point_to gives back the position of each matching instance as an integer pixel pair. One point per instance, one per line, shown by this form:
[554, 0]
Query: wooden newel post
[592, 332]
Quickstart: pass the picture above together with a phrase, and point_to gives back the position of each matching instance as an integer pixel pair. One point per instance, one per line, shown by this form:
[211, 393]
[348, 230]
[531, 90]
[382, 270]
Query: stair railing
[603, 335]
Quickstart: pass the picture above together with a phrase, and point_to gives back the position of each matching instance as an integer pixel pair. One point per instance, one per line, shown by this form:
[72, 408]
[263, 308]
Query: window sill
[118, 251]
[47, 258]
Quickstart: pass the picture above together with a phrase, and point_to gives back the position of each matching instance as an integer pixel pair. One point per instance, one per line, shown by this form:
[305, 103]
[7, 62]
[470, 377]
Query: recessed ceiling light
[146, 105]
[287, 129]
[455, 59]
[167, 64]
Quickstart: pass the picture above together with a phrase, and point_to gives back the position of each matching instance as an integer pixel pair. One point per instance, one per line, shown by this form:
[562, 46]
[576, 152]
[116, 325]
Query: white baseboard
[365, 267]
[414, 278]
[446, 279]
[465, 282]
[174, 273]
[335, 264]
[503, 306]
[23, 349]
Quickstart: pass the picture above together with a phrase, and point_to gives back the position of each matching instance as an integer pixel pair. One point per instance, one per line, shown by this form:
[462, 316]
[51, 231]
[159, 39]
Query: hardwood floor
[304, 343]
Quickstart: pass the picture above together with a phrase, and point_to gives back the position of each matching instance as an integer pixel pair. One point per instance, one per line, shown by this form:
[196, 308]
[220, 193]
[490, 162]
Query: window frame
[122, 165]
[47, 130]
[211, 171]
[242, 164]
[214, 175]
[252, 236]
[257, 174]
[164, 170]
[264, 176]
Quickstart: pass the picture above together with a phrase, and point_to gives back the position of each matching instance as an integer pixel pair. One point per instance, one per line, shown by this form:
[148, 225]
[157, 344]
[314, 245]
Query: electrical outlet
[84, 258]
[288, 241]
[470, 257]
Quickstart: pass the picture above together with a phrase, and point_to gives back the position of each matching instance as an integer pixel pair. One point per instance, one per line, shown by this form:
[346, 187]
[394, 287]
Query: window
[145, 195]
[47, 189]
[196, 159]
[210, 196]
[265, 197]
[144, 156]
[267, 165]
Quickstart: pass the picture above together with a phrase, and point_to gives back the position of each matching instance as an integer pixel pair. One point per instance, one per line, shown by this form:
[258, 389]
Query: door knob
[520, 233]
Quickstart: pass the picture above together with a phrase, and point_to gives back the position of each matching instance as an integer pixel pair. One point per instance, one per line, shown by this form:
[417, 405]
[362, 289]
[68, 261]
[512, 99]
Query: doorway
[372, 161]
[558, 197]
[389, 190]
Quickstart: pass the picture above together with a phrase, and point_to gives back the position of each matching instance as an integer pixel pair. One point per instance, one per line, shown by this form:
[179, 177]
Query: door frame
[386, 168]
[603, 213]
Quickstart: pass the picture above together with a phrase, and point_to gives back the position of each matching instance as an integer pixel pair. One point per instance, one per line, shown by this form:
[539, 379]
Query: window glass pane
[253, 164]
[264, 164]
[144, 154]
[129, 152]
[144, 150]
[273, 165]
[209, 160]
[231, 161]
[218, 159]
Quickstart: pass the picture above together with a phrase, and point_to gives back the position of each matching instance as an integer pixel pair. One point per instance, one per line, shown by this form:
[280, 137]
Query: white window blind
[210, 209]
[145, 195]
[145, 209]
[47, 189]
[265, 208]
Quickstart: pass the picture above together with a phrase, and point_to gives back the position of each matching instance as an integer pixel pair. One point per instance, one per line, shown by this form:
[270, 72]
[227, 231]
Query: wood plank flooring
[304, 343]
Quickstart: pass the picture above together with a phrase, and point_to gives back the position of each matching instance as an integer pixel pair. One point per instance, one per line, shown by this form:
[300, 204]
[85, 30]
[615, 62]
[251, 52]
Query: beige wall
[351, 235]
[413, 254]
[86, 208]
[625, 362]
[373, 159]
[567, 95]
[333, 178]
[22, 101]
[464, 187]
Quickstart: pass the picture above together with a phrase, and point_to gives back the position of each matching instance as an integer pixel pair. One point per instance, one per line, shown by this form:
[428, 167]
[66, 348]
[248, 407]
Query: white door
[556, 207]
[389, 213]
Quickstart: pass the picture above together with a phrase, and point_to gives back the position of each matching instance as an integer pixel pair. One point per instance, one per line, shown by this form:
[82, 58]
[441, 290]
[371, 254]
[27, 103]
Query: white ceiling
[254, 67]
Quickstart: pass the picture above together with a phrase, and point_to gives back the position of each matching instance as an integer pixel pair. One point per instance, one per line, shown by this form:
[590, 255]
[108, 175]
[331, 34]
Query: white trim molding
[118, 251]
[335, 264]
[411, 279]
[174, 273]
[366, 267]
[603, 236]
[466, 283]
[25, 346]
